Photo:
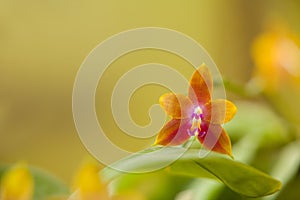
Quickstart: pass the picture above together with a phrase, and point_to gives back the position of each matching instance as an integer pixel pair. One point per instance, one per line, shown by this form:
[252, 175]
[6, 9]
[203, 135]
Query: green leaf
[45, 184]
[239, 177]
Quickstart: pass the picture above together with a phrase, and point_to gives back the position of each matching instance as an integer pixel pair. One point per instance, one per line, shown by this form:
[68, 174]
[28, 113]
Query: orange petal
[219, 111]
[216, 139]
[173, 133]
[176, 106]
[201, 85]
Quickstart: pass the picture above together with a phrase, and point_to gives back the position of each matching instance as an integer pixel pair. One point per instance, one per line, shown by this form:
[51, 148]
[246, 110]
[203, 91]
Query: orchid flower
[197, 115]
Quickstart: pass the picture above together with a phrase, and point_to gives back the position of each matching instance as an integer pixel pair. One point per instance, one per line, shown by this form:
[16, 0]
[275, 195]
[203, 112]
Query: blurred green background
[43, 43]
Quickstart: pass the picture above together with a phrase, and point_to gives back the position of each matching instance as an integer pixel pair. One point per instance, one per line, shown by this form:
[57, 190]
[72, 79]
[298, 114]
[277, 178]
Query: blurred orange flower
[197, 115]
[276, 56]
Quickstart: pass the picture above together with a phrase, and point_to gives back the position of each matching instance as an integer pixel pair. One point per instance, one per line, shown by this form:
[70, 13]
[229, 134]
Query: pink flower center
[196, 120]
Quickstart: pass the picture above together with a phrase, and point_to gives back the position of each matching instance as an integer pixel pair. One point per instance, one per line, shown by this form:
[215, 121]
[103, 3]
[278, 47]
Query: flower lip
[196, 121]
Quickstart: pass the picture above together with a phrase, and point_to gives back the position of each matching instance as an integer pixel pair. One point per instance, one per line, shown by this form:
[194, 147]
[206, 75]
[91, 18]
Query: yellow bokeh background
[43, 43]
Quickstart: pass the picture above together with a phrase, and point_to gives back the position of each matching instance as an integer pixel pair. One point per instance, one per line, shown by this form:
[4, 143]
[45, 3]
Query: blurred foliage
[44, 185]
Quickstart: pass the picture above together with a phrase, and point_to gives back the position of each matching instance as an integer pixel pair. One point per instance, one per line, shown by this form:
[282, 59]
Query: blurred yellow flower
[17, 184]
[89, 183]
[89, 186]
[276, 56]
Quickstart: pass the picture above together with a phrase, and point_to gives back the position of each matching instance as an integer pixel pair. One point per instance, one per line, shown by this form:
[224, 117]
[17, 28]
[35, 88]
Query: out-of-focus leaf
[257, 119]
[287, 165]
[205, 189]
[153, 185]
[2, 170]
[237, 176]
[45, 184]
